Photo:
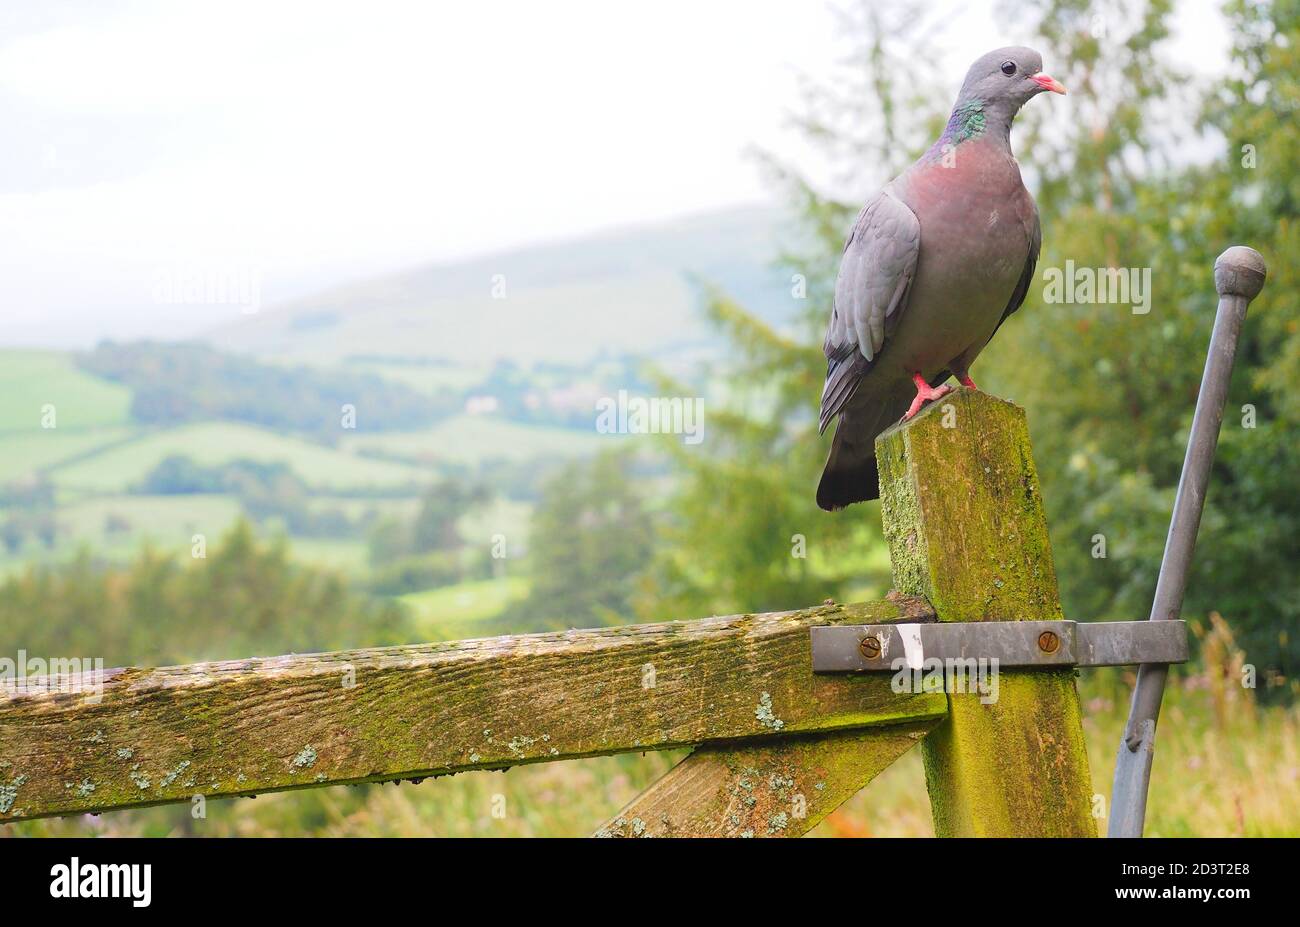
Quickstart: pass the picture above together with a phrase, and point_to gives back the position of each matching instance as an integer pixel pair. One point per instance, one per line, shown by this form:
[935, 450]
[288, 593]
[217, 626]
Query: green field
[453, 612]
[24, 454]
[473, 439]
[115, 527]
[165, 520]
[429, 379]
[349, 556]
[95, 455]
[214, 443]
[31, 380]
[501, 516]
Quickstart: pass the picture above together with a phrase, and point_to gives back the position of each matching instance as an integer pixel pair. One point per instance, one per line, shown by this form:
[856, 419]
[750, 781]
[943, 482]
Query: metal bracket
[880, 647]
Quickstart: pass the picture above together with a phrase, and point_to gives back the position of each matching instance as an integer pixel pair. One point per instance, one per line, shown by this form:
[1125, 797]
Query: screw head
[870, 647]
[1048, 642]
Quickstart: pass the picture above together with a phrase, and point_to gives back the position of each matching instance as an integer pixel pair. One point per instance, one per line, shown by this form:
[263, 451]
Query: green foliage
[245, 597]
[1111, 393]
[434, 527]
[743, 532]
[266, 491]
[30, 508]
[590, 541]
[441, 508]
[173, 383]
[427, 551]
[415, 573]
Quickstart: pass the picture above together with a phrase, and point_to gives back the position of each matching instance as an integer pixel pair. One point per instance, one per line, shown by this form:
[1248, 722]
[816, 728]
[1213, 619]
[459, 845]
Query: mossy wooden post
[964, 520]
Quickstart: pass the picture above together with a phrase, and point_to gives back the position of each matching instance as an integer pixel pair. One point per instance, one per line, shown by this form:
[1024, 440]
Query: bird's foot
[925, 393]
[967, 382]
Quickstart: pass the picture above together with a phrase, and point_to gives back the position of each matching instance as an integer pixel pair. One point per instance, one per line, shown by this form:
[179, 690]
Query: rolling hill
[567, 321]
[630, 291]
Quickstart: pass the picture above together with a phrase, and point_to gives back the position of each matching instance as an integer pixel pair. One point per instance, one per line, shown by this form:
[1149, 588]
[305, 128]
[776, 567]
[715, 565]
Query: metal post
[1238, 276]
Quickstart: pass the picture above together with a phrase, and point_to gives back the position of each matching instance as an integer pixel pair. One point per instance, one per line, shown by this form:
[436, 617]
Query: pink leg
[966, 381]
[924, 393]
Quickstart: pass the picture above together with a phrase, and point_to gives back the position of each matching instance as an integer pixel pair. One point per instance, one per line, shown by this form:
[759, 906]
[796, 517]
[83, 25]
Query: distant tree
[116, 523]
[174, 383]
[268, 490]
[31, 494]
[427, 550]
[389, 540]
[590, 542]
[246, 597]
[13, 535]
[179, 474]
[441, 509]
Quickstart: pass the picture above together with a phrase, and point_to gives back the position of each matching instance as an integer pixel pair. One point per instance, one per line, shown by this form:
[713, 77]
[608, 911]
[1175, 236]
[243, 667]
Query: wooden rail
[777, 747]
[242, 727]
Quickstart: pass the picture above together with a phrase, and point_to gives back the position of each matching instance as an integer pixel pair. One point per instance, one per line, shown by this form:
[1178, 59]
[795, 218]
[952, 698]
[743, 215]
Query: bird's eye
[1008, 68]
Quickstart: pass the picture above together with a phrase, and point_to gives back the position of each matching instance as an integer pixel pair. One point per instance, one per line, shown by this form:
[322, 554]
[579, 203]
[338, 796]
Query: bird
[934, 264]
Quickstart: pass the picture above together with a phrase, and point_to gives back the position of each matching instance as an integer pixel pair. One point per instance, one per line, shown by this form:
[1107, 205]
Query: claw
[925, 393]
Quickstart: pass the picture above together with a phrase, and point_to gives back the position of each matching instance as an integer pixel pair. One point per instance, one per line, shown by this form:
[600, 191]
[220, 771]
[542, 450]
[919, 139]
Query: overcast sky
[311, 143]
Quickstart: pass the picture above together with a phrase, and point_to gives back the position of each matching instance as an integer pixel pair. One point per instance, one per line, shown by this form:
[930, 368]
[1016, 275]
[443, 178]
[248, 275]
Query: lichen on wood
[771, 788]
[242, 727]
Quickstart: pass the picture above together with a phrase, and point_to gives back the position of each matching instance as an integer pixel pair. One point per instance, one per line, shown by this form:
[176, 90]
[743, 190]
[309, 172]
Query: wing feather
[1035, 233]
[871, 291]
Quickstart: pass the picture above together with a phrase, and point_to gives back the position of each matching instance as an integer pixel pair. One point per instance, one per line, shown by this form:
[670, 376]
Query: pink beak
[1048, 83]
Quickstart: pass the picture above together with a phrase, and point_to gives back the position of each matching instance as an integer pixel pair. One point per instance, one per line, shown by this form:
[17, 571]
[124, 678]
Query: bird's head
[1005, 79]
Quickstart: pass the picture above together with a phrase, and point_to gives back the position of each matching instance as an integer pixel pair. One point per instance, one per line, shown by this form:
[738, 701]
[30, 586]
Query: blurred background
[307, 309]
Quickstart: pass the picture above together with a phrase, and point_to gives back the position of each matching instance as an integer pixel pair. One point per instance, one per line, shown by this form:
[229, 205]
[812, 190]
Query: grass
[218, 442]
[115, 527]
[475, 439]
[506, 517]
[351, 556]
[24, 454]
[29, 380]
[429, 379]
[452, 612]
[1214, 776]
[164, 519]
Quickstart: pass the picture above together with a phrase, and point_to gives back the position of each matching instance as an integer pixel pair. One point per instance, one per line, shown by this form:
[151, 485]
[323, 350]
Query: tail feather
[851, 474]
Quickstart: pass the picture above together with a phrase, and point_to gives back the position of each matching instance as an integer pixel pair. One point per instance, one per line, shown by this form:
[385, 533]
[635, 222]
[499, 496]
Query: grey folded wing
[871, 291]
[1034, 235]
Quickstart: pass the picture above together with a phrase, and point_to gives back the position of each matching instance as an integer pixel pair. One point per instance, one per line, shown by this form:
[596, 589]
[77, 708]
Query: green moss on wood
[778, 787]
[964, 520]
[963, 514]
[249, 726]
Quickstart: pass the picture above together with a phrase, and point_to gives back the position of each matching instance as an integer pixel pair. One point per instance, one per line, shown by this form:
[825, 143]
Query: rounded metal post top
[1239, 271]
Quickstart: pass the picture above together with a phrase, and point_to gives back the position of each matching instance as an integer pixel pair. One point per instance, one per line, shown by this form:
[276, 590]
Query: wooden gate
[777, 747]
